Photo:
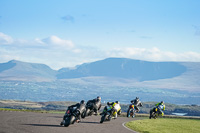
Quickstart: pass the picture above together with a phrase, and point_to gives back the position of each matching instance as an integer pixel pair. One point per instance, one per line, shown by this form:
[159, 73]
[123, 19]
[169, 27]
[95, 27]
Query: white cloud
[5, 39]
[56, 41]
[52, 51]
[58, 53]
[39, 41]
[49, 42]
[77, 50]
[189, 56]
[153, 54]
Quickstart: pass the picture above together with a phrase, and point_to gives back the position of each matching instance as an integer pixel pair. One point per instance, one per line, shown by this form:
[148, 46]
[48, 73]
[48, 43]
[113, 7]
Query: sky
[66, 33]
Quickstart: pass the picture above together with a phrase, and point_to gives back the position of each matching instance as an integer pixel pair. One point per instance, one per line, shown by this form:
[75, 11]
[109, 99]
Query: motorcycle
[109, 113]
[70, 117]
[89, 110]
[131, 111]
[154, 113]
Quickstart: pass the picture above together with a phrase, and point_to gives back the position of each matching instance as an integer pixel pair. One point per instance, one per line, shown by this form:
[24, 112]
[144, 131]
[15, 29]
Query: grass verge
[165, 125]
[36, 111]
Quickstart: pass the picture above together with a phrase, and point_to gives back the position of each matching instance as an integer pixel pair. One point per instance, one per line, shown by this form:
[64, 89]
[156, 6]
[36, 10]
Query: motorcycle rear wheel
[72, 120]
[154, 115]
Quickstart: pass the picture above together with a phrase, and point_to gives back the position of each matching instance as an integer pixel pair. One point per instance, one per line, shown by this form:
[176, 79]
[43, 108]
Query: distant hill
[119, 79]
[111, 72]
[126, 68]
[22, 71]
[137, 73]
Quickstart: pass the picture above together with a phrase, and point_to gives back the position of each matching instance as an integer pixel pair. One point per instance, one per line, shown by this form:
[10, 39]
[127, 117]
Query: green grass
[165, 125]
[36, 111]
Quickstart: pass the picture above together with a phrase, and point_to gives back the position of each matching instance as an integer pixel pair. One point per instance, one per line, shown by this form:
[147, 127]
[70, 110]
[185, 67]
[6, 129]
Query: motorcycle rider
[96, 103]
[160, 107]
[79, 106]
[115, 107]
[137, 103]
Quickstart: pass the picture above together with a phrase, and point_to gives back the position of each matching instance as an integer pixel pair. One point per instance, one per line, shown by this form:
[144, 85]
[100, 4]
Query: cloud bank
[154, 54]
[5, 39]
[57, 52]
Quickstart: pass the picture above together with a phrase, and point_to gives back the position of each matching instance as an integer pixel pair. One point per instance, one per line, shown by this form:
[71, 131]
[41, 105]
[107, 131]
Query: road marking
[123, 124]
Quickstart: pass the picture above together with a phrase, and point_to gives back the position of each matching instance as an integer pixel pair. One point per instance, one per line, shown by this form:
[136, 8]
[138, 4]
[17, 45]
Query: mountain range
[110, 71]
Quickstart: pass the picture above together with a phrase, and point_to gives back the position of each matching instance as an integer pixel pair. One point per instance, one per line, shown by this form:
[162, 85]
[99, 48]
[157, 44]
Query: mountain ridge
[18, 70]
[113, 78]
[110, 71]
[126, 68]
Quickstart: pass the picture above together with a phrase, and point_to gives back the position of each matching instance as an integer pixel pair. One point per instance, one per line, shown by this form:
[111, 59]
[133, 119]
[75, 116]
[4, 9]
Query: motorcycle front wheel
[67, 121]
[103, 118]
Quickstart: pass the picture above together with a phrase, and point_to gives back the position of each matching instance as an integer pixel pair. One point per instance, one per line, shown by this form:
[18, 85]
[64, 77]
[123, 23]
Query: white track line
[123, 124]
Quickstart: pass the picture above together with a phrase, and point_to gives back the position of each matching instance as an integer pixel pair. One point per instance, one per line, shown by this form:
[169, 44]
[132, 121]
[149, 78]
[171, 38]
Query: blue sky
[66, 33]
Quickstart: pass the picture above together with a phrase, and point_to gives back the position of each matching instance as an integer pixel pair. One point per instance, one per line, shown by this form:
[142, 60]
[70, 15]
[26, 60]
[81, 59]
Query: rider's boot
[62, 123]
[128, 115]
[115, 116]
[96, 113]
[78, 120]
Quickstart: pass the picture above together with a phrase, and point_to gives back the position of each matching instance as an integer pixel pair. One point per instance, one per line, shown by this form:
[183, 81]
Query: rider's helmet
[162, 102]
[137, 99]
[117, 102]
[82, 102]
[98, 98]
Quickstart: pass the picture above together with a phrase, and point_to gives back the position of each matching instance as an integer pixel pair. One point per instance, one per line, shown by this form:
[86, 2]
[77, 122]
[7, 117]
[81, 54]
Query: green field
[165, 125]
[35, 111]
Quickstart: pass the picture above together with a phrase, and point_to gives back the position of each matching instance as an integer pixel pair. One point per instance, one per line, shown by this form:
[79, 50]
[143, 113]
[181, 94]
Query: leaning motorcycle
[70, 117]
[154, 113]
[131, 111]
[89, 110]
[109, 113]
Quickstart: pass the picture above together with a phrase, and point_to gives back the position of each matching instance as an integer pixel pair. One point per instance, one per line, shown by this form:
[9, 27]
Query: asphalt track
[28, 122]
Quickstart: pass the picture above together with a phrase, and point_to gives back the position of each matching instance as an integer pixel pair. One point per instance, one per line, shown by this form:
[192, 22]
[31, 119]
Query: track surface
[27, 122]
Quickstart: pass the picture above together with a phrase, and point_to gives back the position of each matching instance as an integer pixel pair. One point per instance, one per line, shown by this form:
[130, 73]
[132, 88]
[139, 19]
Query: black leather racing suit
[80, 107]
[96, 103]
